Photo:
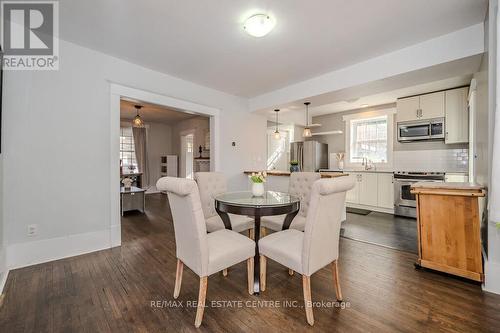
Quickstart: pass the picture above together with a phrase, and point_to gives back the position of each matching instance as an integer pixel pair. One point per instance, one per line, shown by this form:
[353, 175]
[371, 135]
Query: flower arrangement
[340, 160]
[259, 177]
[127, 182]
[294, 162]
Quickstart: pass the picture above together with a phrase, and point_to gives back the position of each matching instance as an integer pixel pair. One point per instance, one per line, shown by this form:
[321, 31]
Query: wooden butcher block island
[448, 217]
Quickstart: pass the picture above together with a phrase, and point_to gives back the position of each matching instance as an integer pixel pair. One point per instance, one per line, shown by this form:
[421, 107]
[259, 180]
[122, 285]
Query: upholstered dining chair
[211, 184]
[300, 186]
[203, 253]
[307, 252]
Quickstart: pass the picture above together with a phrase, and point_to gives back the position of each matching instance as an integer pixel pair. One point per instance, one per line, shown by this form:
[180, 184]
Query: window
[127, 148]
[369, 139]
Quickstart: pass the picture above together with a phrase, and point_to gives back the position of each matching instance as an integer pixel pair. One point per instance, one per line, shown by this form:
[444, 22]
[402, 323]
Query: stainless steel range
[404, 202]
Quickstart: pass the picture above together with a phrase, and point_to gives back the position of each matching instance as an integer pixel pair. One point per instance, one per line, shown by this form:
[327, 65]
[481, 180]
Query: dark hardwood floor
[395, 232]
[112, 291]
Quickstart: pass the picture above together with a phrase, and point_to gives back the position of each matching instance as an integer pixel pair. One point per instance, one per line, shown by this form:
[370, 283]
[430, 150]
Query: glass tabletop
[269, 199]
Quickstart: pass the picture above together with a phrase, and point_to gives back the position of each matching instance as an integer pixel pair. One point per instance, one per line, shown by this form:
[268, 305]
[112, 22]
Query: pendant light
[277, 134]
[137, 122]
[307, 130]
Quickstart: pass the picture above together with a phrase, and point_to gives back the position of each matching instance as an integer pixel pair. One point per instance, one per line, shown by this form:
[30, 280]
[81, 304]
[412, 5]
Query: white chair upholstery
[300, 186]
[211, 184]
[203, 253]
[307, 252]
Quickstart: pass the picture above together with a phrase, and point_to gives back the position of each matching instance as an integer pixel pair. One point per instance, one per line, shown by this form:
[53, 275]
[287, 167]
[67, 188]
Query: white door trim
[118, 91]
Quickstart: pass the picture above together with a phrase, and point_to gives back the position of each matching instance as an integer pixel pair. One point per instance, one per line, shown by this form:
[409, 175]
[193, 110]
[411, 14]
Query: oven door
[403, 194]
[412, 131]
[402, 191]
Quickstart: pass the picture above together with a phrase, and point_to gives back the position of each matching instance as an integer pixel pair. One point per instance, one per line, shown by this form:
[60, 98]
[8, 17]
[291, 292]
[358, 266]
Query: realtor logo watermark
[29, 38]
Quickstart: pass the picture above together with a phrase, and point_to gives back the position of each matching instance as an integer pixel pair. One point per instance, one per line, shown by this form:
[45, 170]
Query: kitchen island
[448, 224]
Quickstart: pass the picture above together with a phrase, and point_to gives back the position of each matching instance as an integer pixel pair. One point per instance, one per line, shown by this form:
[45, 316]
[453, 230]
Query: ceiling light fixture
[307, 130]
[259, 25]
[277, 134]
[138, 122]
[364, 105]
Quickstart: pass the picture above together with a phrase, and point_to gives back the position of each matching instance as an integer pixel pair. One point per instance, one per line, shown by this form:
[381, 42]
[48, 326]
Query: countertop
[287, 173]
[448, 186]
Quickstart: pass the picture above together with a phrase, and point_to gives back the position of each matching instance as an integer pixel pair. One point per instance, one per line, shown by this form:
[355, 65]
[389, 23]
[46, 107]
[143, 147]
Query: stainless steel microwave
[430, 129]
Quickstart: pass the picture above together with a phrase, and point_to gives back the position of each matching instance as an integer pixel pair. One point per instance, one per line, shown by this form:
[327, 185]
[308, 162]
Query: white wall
[57, 149]
[159, 144]
[3, 268]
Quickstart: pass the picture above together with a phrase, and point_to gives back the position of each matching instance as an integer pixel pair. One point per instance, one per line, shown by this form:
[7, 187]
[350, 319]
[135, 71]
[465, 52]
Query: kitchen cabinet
[352, 195]
[421, 107]
[372, 190]
[432, 105]
[457, 116]
[408, 108]
[368, 189]
[385, 190]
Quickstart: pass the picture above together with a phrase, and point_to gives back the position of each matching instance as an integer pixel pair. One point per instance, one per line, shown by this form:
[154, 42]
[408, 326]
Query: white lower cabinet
[385, 191]
[368, 189]
[372, 190]
[352, 196]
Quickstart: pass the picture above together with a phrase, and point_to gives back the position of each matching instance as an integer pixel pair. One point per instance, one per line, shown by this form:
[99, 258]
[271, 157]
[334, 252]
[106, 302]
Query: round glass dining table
[244, 203]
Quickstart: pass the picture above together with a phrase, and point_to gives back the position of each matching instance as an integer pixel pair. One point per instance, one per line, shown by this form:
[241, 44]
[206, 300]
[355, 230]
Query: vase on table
[341, 165]
[257, 189]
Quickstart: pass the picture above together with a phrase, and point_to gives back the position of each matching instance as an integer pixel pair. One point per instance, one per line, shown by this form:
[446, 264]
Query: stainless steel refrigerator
[311, 155]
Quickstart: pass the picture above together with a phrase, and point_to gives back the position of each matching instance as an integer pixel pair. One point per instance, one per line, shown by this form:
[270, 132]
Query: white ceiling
[151, 113]
[203, 41]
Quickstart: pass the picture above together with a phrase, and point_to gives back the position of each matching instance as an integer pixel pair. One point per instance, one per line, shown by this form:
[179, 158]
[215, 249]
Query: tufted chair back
[189, 225]
[300, 186]
[210, 184]
[322, 232]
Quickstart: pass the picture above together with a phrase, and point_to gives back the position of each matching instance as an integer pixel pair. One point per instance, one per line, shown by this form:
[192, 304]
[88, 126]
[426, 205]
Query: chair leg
[263, 266]
[251, 233]
[178, 278]
[224, 272]
[263, 232]
[250, 275]
[201, 301]
[290, 272]
[306, 286]
[336, 281]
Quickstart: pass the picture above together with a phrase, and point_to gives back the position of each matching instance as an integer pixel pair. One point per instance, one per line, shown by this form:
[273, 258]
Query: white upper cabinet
[457, 116]
[421, 107]
[432, 105]
[408, 108]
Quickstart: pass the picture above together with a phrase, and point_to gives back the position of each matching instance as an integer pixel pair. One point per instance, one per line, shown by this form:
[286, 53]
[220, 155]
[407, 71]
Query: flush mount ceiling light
[277, 134]
[259, 25]
[138, 122]
[307, 130]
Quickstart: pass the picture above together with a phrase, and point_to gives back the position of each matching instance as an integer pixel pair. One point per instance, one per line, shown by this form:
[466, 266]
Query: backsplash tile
[441, 160]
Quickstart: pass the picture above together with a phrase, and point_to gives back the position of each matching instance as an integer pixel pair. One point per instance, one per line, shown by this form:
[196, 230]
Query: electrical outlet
[32, 229]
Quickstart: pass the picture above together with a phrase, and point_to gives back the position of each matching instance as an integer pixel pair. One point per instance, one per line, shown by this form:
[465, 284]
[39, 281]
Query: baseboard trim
[4, 272]
[373, 208]
[31, 253]
[491, 277]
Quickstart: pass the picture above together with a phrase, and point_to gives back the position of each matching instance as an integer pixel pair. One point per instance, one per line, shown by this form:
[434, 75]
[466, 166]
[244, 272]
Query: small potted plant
[294, 166]
[258, 179]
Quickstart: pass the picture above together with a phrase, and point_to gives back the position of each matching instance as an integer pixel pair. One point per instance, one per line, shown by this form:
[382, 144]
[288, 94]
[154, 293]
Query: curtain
[141, 153]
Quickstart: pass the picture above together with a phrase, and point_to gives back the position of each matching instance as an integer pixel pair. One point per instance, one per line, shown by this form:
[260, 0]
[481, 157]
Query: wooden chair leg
[201, 301]
[263, 266]
[290, 272]
[250, 275]
[336, 281]
[224, 272]
[306, 286]
[251, 233]
[178, 278]
[263, 232]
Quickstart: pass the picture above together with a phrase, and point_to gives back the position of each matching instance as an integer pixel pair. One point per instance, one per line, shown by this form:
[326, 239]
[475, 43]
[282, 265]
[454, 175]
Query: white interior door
[187, 142]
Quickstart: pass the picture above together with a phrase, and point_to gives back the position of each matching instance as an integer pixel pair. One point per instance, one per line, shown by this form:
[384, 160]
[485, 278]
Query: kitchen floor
[387, 230]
